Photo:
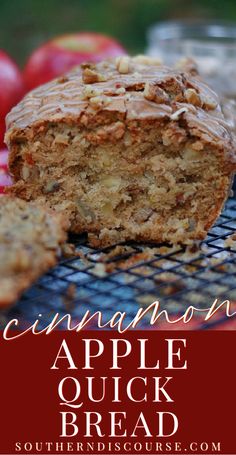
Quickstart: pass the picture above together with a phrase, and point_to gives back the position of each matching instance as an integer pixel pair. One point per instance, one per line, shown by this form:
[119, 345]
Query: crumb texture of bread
[30, 238]
[128, 149]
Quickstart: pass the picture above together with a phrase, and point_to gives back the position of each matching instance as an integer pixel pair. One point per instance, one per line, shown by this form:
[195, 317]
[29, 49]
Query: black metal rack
[127, 278]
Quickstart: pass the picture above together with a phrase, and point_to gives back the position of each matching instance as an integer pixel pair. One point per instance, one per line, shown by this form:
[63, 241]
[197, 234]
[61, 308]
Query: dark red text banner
[103, 392]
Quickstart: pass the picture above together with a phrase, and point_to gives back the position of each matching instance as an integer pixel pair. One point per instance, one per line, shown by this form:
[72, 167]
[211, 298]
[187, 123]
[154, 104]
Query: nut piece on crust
[128, 148]
[30, 237]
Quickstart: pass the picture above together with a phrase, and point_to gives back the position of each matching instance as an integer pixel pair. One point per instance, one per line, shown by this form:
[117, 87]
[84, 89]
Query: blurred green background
[24, 24]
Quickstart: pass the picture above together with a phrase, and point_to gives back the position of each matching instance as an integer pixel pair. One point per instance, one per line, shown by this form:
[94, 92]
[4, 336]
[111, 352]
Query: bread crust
[72, 96]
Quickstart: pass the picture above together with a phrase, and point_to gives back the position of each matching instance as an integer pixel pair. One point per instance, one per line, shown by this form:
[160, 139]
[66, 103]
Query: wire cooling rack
[128, 277]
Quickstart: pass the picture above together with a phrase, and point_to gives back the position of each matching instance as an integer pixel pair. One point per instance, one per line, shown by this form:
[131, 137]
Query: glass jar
[211, 45]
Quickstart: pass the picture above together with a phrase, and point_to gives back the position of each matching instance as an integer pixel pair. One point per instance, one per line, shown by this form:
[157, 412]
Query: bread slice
[128, 149]
[30, 237]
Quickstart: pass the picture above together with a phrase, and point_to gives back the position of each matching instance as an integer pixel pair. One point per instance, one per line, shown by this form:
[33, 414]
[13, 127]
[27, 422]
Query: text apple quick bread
[30, 237]
[127, 149]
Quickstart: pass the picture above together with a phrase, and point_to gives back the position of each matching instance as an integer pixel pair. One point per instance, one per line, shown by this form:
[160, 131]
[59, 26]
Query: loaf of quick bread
[127, 149]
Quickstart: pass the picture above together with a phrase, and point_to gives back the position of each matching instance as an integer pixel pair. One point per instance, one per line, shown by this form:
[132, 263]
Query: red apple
[11, 89]
[62, 53]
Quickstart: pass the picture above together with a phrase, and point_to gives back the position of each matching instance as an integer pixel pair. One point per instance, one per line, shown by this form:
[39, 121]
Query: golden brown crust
[124, 86]
[30, 237]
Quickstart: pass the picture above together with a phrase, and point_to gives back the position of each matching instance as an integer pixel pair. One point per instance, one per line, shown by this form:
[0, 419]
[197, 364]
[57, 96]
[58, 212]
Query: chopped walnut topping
[149, 91]
[146, 60]
[209, 103]
[99, 101]
[122, 64]
[193, 97]
[96, 101]
[91, 76]
[154, 93]
[90, 92]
